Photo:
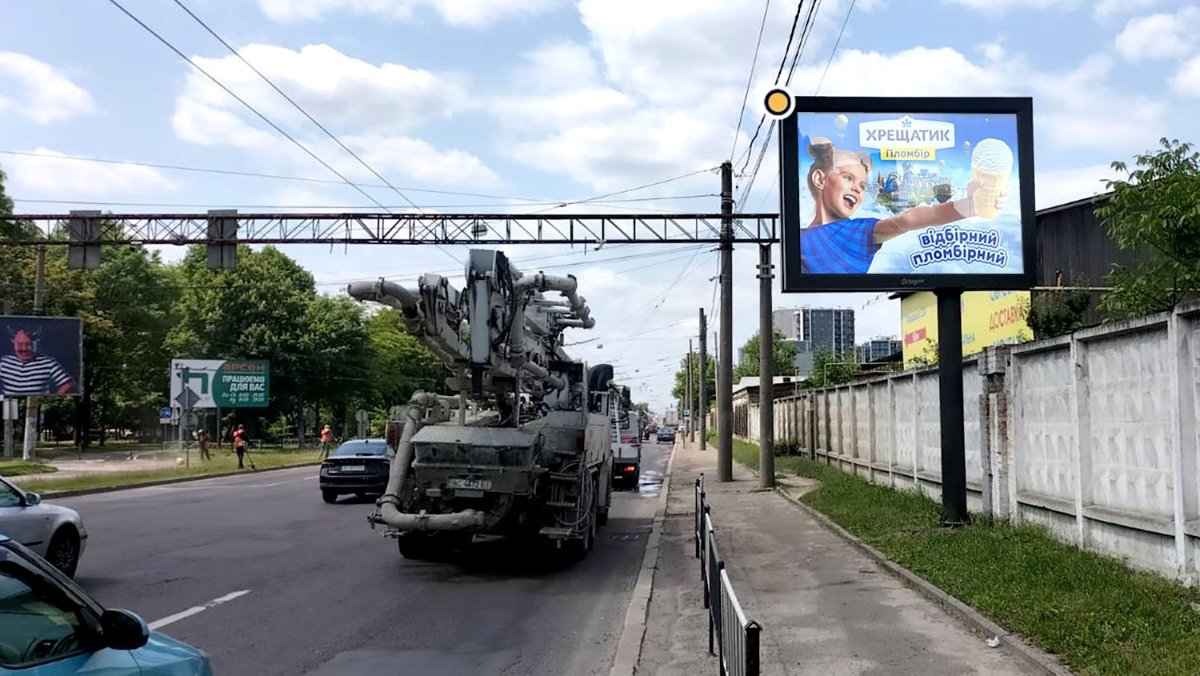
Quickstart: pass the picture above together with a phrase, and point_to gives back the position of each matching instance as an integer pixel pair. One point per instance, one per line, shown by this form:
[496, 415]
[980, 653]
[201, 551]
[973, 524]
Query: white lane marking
[196, 610]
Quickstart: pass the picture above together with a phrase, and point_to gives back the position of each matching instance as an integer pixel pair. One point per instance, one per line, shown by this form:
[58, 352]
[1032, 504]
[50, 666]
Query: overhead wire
[778, 74]
[836, 44]
[633, 189]
[295, 105]
[175, 205]
[298, 107]
[749, 78]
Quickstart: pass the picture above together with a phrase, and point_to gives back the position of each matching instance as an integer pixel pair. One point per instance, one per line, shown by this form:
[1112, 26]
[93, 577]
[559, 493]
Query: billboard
[988, 318]
[220, 383]
[41, 356]
[902, 194]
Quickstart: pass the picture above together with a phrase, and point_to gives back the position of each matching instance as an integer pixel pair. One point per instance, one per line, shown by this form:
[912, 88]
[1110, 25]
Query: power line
[749, 79]
[175, 205]
[813, 9]
[628, 190]
[283, 177]
[791, 34]
[254, 110]
[295, 105]
[835, 48]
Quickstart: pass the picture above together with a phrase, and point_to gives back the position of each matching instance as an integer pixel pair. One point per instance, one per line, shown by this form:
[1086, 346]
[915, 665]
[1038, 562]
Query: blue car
[51, 627]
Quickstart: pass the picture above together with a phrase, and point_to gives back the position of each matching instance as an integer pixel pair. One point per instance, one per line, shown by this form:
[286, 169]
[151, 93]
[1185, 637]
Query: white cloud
[48, 178]
[1160, 36]
[1187, 80]
[998, 6]
[46, 95]
[420, 161]
[467, 13]
[388, 102]
[386, 98]
[1109, 8]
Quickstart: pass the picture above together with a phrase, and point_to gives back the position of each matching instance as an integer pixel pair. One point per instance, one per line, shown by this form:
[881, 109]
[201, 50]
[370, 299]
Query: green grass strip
[219, 463]
[1092, 611]
[11, 468]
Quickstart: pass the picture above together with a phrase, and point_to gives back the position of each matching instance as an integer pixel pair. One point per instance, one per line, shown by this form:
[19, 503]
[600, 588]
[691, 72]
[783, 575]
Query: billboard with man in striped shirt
[41, 356]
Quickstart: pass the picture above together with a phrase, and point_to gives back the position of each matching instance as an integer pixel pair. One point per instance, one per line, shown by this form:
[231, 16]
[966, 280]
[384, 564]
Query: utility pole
[687, 420]
[31, 403]
[8, 423]
[725, 360]
[703, 385]
[766, 372]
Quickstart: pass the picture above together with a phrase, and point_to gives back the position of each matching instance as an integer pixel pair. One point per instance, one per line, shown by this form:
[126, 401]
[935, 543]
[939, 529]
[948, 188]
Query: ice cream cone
[991, 167]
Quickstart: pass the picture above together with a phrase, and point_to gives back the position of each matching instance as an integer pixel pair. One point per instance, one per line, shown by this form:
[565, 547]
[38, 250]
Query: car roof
[364, 441]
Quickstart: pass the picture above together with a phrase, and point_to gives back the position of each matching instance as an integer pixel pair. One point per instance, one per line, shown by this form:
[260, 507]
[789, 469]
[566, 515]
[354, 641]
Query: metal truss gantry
[225, 227]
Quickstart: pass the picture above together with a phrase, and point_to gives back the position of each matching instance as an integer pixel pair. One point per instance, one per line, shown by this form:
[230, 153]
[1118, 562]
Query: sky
[553, 100]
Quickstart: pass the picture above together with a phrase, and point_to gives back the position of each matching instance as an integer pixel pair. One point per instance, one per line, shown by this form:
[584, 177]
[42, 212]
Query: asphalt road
[290, 585]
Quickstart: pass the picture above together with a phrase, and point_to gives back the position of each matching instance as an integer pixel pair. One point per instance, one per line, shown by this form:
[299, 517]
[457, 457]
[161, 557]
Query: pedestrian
[326, 441]
[239, 444]
[202, 441]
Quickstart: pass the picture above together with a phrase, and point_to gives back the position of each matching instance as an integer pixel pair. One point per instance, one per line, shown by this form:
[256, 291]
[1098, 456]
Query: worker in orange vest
[326, 441]
[239, 444]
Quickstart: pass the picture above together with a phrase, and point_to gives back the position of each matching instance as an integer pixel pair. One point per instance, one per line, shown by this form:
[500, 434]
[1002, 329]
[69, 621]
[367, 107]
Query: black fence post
[696, 519]
[753, 629]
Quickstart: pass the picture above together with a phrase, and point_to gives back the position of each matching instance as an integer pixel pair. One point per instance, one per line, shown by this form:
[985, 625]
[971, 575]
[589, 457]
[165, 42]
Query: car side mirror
[124, 630]
[32, 499]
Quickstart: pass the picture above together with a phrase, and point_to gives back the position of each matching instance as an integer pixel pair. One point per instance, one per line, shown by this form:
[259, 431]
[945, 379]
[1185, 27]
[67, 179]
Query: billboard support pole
[703, 405]
[31, 403]
[725, 357]
[766, 371]
[950, 410]
[8, 424]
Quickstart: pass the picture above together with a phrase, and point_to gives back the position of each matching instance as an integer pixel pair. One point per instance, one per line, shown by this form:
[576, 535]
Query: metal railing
[731, 636]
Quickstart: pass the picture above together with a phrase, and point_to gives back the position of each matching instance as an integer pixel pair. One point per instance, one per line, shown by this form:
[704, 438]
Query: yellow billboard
[988, 318]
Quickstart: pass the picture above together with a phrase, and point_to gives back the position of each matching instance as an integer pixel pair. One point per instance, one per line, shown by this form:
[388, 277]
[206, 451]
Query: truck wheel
[602, 517]
[414, 546]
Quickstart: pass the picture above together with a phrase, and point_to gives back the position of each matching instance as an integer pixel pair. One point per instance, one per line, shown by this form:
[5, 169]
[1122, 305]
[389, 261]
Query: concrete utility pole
[766, 372]
[8, 423]
[703, 385]
[31, 403]
[687, 420]
[725, 358]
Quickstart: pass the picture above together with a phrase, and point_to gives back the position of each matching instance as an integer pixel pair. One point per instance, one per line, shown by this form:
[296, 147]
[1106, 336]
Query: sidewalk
[825, 608]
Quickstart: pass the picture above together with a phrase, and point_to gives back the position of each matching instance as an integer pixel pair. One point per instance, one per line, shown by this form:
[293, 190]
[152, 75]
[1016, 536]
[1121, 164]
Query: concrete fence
[1093, 435]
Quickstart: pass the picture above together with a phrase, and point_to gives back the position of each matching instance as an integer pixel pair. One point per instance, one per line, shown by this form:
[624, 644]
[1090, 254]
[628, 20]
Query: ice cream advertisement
[908, 194]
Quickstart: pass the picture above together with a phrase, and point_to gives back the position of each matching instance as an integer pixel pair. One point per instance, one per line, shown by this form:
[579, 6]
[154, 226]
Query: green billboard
[220, 383]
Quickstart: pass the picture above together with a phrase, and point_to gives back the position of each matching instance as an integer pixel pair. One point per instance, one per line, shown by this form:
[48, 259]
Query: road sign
[187, 398]
[11, 408]
[362, 416]
[222, 383]
[164, 414]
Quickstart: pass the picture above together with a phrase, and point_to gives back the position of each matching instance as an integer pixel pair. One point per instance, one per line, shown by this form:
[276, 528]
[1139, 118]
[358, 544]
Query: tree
[400, 364]
[16, 263]
[1058, 312]
[830, 369]
[1155, 211]
[679, 392]
[784, 357]
[336, 358]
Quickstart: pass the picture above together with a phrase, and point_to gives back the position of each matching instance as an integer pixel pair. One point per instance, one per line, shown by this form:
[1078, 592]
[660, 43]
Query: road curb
[1012, 643]
[629, 646]
[164, 482]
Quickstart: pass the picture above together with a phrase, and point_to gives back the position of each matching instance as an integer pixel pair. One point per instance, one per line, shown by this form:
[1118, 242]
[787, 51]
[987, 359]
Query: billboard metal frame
[793, 281]
[78, 365]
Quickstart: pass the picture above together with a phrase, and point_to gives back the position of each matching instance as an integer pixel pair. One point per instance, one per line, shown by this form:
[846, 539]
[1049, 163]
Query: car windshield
[360, 447]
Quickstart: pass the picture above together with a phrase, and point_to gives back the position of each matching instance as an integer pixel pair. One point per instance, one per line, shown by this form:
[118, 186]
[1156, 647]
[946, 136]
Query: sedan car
[51, 627]
[53, 532]
[358, 466]
[666, 434]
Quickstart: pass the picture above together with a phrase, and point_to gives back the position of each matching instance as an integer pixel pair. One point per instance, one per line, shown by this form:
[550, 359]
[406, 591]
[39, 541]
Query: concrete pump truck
[523, 446]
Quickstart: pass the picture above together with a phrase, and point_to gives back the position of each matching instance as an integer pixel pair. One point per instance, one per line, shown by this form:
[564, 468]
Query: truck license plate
[470, 484]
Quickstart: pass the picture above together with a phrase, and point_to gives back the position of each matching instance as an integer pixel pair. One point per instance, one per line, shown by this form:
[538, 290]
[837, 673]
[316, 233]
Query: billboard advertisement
[41, 356]
[988, 318]
[906, 194]
[220, 383]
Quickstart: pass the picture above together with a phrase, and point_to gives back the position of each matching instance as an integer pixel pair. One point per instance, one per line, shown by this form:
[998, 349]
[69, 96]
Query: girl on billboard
[837, 243]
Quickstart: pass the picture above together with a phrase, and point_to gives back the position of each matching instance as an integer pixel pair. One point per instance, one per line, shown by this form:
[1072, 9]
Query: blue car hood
[165, 656]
